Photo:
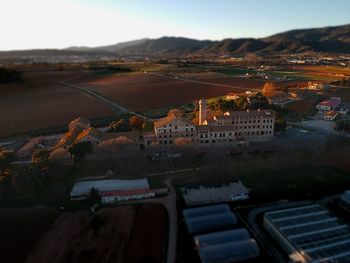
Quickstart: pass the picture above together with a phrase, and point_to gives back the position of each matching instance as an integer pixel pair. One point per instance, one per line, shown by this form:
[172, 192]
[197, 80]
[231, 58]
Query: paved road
[104, 100]
[202, 82]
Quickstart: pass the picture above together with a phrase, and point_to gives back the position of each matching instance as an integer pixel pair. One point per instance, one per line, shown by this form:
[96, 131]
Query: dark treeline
[9, 75]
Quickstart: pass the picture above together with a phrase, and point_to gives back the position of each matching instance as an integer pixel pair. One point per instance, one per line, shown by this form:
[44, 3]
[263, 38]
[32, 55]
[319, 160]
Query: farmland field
[144, 92]
[21, 229]
[119, 234]
[41, 102]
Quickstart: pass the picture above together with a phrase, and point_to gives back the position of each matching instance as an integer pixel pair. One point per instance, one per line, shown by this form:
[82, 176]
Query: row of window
[165, 142]
[170, 130]
[216, 135]
[170, 136]
[254, 133]
[246, 121]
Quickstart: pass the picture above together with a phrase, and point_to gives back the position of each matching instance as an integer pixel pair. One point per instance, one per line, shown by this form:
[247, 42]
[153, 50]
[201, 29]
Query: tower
[202, 111]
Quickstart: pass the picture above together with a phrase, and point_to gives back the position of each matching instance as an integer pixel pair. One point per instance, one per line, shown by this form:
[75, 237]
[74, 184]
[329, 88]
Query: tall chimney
[202, 111]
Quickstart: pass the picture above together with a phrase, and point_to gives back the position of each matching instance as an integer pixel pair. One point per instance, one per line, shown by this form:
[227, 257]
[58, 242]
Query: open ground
[130, 234]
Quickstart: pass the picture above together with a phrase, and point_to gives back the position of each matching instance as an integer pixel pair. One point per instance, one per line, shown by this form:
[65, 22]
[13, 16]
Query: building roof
[313, 232]
[210, 222]
[80, 121]
[206, 210]
[330, 103]
[331, 113]
[127, 192]
[230, 252]
[345, 197]
[93, 132]
[221, 237]
[83, 188]
[170, 118]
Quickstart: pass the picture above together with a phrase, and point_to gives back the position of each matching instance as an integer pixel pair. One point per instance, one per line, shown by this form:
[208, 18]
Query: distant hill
[328, 40]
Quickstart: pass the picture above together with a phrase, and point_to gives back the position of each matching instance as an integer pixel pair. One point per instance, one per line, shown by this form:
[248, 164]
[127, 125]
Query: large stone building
[237, 127]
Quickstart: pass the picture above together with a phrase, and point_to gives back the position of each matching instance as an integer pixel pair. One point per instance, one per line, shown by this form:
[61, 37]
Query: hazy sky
[29, 24]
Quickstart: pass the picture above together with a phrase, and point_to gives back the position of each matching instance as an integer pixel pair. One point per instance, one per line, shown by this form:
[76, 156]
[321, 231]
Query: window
[175, 127]
[191, 129]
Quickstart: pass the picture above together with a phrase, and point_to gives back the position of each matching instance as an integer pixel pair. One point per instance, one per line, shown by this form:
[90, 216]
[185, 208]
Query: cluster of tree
[9, 75]
[79, 150]
[258, 101]
[6, 157]
[36, 177]
[224, 105]
[270, 89]
[135, 123]
[343, 125]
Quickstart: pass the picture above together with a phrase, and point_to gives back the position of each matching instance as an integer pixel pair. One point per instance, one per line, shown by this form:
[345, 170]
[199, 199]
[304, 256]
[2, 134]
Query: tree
[280, 124]
[119, 126]
[40, 156]
[269, 89]
[136, 122]
[148, 126]
[80, 149]
[226, 105]
[6, 157]
[94, 195]
[259, 101]
[241, 103]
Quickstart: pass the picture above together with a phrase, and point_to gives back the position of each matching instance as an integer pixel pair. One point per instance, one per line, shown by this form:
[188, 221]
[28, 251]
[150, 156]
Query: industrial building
[345, 200]
[234, 245]
[237, 251]
[221, 237]
[225, 244]
[310, 234]
[230, 128]
[113, 190]
[209, 218]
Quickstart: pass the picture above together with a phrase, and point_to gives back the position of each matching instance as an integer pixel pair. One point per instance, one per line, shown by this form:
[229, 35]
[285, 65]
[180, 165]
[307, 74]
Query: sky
[28, 24]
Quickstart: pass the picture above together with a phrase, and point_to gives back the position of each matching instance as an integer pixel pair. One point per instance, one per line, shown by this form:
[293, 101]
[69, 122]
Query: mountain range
[334, 39]
[327, 39]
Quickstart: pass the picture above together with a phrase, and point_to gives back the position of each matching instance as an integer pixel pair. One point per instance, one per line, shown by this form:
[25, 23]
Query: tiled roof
[330, 103]
[171, 117]
[331, 113]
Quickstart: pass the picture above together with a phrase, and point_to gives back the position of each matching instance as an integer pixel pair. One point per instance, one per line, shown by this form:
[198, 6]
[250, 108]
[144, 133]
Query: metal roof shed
[230, 252]
[221, 237]
[83, 188]
[206, 210]
[201, 224]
